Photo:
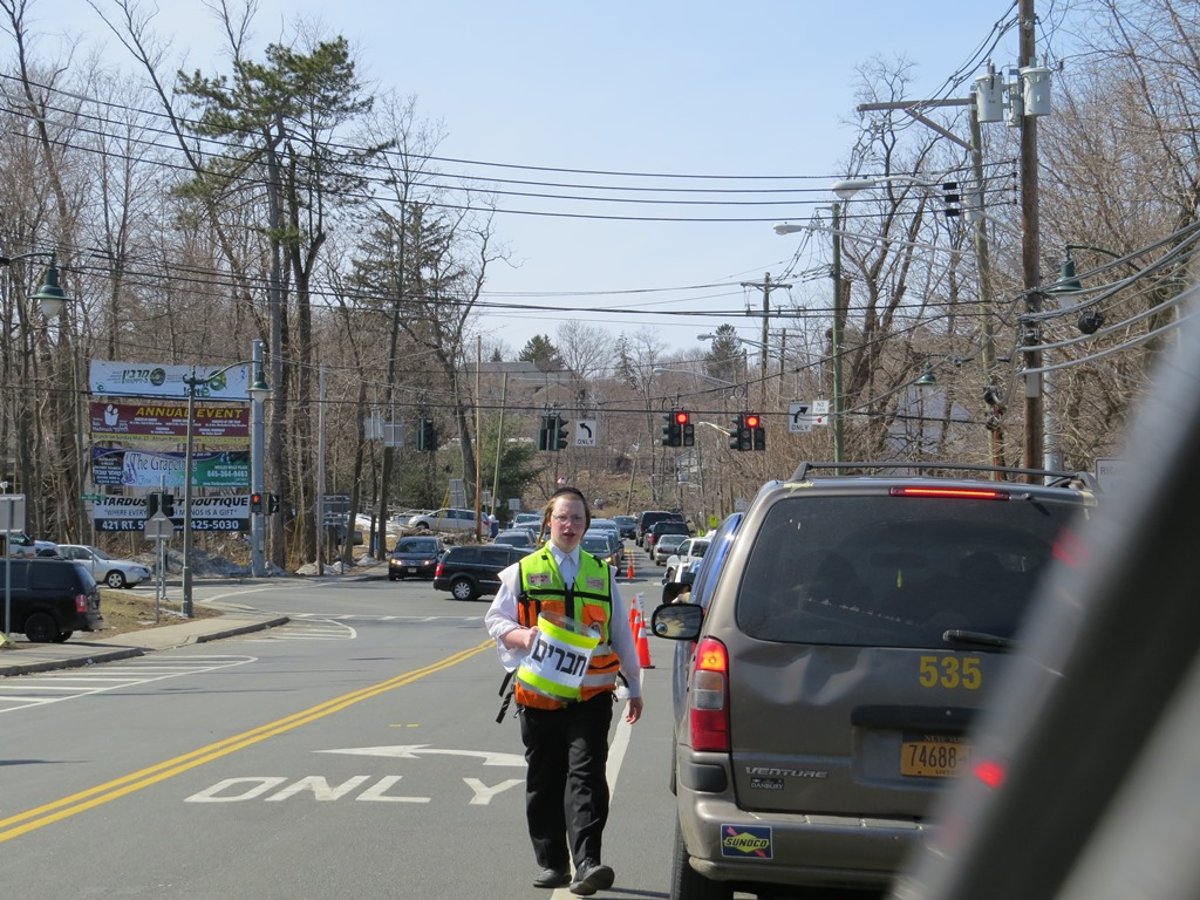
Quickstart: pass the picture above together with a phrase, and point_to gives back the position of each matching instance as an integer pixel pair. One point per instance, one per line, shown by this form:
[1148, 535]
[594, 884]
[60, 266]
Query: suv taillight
[709, 714]
[440, 568]
[81, 603]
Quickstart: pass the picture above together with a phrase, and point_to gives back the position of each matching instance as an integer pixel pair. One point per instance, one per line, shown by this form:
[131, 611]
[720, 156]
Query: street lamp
[258, 392]
[49, 295]
[836, 331]
[740, 388]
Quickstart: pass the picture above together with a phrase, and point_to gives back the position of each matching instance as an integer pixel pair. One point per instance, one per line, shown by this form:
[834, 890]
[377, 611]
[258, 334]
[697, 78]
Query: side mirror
[677, 621]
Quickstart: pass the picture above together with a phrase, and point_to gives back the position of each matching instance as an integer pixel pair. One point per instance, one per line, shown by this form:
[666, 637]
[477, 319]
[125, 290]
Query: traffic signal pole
[258, 566]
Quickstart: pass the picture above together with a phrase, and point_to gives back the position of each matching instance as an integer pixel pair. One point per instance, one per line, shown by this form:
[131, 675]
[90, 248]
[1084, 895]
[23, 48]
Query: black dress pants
[566, 785]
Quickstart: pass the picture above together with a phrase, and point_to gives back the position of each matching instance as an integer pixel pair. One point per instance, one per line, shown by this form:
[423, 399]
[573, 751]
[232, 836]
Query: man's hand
[633, 709]
[521, 639]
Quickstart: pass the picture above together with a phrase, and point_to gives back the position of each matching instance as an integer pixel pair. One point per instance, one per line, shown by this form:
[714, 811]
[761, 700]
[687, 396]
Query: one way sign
[799, 419]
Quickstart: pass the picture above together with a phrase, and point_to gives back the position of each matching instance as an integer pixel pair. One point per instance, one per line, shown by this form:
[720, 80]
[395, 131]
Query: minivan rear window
[894, 571]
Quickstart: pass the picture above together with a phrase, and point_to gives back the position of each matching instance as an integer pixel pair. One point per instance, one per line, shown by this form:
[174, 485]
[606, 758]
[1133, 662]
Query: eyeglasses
[568, 520]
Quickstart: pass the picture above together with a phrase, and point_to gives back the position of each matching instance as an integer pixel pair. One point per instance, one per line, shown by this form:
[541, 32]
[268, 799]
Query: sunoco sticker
[746, 841]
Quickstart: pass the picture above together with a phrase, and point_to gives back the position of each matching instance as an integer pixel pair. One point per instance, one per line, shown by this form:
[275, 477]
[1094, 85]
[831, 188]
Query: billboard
[112, 378]
[208, 513]
[166, 423]
[121, 467]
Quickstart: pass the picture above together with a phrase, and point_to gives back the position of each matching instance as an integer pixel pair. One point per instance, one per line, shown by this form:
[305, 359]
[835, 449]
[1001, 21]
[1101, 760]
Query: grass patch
[126, 610]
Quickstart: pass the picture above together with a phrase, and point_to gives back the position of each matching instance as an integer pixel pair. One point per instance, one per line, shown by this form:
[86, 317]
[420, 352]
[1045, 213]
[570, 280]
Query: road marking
[323, 628]
[26, 691]
[416, 751]
[57, 810]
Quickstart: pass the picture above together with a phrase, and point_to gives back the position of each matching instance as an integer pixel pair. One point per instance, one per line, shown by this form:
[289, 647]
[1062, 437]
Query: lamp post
[836, 331]
[258, 393]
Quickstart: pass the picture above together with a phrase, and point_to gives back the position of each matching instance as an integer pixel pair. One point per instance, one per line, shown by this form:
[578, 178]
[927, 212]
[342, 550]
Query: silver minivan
[846, 635]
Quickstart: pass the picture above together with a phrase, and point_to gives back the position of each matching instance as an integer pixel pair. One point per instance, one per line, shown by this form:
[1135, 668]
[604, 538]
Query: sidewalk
[23, 657]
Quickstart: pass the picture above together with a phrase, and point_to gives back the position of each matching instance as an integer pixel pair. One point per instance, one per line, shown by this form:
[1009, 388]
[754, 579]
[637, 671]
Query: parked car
[415, 556]
[649, 517]
[22, 546]
[665, 526]
[445, 519]
[517, 537]
[687, 555]
[905, 592]
[106, 569]
[628, 525]
[473, 570]
[51, 599]
[530, 520]
[599, 544]
[665, 547]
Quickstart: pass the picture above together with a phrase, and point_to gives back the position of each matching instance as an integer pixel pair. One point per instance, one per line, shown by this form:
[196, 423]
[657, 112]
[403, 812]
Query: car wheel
[62, 637]
[422, 526]
[686, 882]
[115, 579]
[41, 628]
[462, 589]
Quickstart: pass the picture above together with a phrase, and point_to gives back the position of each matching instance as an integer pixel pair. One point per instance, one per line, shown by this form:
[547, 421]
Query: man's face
[567, 523]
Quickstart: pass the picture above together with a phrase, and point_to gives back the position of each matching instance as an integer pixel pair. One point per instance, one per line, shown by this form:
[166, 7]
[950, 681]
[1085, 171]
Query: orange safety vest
[589, 601]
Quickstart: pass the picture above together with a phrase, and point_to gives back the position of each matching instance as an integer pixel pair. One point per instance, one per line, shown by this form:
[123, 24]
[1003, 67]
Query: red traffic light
[681, 417]
[751, 421]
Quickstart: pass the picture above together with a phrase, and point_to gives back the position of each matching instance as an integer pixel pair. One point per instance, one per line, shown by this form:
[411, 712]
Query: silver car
[106, 569]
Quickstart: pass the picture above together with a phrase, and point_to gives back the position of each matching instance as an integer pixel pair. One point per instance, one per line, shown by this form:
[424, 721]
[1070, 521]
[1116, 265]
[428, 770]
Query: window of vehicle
[416, 545]
[463, 555]
[494, 556]
[719, 545]
[894, 571]
[596, 544]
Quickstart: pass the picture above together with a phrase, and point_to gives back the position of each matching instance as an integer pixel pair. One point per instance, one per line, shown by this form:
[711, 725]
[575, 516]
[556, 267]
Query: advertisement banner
[119, 467]
[166, 423]
[126, 379]
[208, 513]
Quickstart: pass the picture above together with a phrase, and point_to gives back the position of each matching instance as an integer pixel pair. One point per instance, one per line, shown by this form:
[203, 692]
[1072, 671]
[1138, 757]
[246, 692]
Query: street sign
[799, 417]
[820, 412]
[159, 528]
[586, 432]
[12, 512]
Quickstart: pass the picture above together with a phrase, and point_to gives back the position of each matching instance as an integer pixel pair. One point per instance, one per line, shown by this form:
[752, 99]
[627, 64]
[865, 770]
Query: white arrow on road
[416, 751]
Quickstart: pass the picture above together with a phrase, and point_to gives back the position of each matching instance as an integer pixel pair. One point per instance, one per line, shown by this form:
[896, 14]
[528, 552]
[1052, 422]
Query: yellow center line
[65, 807]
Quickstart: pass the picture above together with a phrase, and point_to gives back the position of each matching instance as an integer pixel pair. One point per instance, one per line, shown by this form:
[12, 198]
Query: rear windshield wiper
[977, 638]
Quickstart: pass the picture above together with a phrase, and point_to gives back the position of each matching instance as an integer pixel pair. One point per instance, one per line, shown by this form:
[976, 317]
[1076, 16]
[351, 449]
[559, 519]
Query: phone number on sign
[220, 524]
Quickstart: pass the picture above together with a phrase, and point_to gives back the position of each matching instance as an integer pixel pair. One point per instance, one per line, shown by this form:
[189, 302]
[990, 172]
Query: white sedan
[685, 558]
[116, 573]
[666, 546]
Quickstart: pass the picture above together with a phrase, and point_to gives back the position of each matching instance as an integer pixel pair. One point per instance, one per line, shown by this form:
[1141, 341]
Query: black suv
[650, 517]
[473, 570]
[51, 598]
[847, 631]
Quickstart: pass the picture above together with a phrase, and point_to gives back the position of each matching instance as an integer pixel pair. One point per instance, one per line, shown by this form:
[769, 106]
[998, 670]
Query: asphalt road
[351, 753]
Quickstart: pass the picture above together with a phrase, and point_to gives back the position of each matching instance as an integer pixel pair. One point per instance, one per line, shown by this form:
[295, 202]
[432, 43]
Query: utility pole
[836, 334]
[1034, 402]
[766, 286]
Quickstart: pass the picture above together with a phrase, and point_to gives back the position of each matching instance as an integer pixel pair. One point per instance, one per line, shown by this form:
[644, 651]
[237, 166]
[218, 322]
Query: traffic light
[558, 437]
[687, 431]
[952, 198]
[272, 504]
[256, 503]
[166, 505]
[151, 504]
[741, 435]
[672, 431]
[758, 434]
[427, 441]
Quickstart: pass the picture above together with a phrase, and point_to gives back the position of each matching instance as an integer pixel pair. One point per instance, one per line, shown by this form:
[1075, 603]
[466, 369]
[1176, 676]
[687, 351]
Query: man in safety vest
[565, 701]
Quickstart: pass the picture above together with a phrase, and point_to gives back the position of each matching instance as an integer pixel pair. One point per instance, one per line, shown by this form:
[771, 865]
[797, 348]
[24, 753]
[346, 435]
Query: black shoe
[590, 877]
[552, 878]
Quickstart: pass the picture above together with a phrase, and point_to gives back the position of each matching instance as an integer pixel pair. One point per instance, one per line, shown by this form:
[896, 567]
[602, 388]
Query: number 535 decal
[951, 672]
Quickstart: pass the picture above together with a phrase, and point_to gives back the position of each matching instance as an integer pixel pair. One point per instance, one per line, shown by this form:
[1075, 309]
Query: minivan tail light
[708, 717]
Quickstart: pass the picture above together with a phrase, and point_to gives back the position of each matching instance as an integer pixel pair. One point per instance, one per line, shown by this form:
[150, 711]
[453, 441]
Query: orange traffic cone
[643, 644]
[629, 574]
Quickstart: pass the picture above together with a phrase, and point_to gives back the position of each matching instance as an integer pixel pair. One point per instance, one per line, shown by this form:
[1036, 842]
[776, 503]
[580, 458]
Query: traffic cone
[643, 645]
[629, 574]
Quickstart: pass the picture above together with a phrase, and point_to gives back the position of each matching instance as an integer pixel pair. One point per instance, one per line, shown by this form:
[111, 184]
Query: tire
[41, 628]
[391, 577]
[115, 579]
[422, 526]
[462, 589]
[686, 882]
[62, 637]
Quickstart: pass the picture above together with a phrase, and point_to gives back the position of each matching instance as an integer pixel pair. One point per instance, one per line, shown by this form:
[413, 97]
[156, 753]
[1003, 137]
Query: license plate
[412, 570]
[933, 755]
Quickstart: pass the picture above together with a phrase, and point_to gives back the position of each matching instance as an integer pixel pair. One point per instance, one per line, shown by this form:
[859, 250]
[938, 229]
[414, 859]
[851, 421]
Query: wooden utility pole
[766, 286]
[1034, 401]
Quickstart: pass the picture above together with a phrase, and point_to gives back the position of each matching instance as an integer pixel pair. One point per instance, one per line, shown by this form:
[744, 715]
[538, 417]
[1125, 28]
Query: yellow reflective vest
[588, 602]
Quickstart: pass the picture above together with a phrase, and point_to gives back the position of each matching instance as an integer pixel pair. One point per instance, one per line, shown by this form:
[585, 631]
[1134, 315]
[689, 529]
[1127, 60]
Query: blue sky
[755, 88]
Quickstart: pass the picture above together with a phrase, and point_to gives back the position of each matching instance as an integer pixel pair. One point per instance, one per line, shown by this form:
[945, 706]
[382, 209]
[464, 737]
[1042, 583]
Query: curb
[77, 662]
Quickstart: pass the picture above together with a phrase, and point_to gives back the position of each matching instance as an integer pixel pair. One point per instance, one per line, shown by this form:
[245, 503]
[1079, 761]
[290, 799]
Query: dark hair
[574, 493]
